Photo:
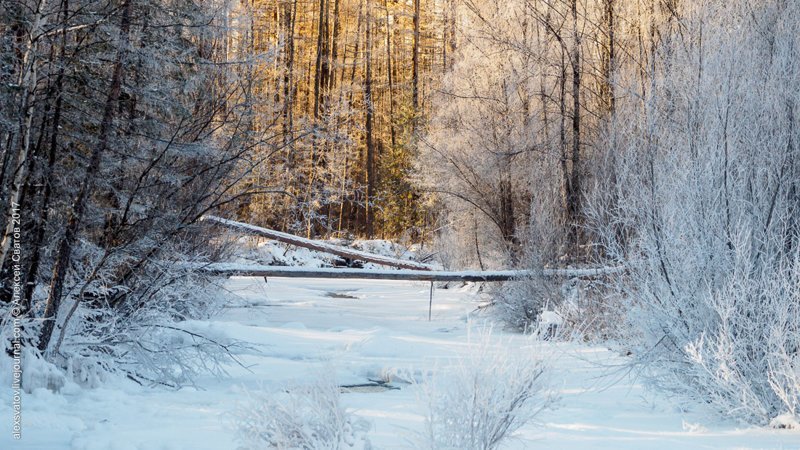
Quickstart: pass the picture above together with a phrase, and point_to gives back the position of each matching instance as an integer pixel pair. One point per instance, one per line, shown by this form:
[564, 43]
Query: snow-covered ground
[359, 330]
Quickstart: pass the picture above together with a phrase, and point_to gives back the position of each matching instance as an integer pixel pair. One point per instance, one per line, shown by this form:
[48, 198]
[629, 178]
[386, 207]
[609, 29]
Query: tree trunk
[610, 57]
[28, 81]
[288, 74]
[562, 134]
[390, 76]
[574, 195]
[415, 61]
[370, 112]
[321, 66]
[334, 47]
[40, 221]
[289, 20]
[63, 257]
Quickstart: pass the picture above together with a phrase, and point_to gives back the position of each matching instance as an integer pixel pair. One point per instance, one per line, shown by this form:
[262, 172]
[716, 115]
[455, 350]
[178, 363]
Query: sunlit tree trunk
[370, 113]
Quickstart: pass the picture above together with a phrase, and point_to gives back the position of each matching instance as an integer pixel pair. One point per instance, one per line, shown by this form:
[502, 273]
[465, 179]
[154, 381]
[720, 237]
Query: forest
[658, 138]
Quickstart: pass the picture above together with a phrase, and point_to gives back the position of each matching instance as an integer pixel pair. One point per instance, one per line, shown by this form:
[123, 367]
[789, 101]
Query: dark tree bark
[610, 57]
[574, 193]
[40, 221]
[288, 74]
[63, 257]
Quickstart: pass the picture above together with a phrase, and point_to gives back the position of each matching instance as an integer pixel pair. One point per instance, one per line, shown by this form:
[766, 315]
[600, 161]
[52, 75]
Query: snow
[367, 330]
[785, 420]
[39, 373]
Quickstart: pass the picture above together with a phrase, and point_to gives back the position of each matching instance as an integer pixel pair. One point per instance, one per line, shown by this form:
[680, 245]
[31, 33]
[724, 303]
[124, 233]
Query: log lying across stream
[319, 246]
[252, 270]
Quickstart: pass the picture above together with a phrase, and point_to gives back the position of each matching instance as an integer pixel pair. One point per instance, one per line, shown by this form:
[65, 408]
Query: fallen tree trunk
[247, 270]
[317, 245]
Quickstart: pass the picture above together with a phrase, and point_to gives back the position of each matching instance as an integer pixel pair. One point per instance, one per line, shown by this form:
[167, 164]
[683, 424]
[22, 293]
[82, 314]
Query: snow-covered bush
[748, 361]
[148, 333]
[136, 317]
[478, 401]
[551, 306]
[466, 243]
[520, 303]
[137, 156]
[548, 305]
[704, 209]
[734, 346]
[307, 417]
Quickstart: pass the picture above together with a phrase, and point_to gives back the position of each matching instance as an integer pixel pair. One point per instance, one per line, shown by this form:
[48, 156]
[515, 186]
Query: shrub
[703, 210]
[308, 417]
[481, 399]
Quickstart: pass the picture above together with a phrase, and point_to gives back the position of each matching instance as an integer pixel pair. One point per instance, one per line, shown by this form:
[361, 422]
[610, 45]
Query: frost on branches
[705, 207]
